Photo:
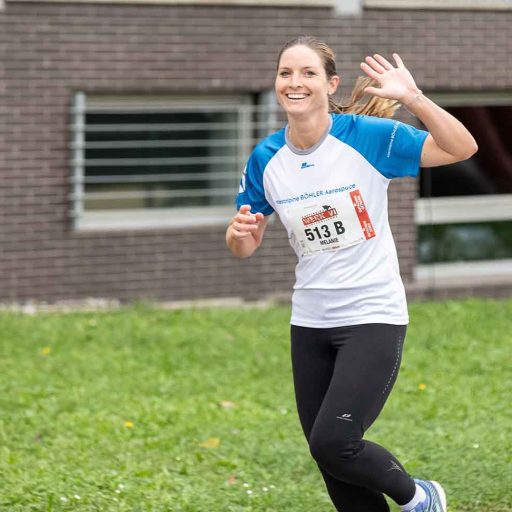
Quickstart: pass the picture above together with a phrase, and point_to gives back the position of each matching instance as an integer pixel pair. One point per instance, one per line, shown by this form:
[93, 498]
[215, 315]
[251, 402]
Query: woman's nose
[295, 81]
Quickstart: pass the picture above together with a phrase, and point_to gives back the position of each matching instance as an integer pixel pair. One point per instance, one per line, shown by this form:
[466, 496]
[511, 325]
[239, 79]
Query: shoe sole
[441, 493]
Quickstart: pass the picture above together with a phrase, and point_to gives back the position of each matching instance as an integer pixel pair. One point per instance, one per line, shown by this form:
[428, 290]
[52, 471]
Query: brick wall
[50, 50]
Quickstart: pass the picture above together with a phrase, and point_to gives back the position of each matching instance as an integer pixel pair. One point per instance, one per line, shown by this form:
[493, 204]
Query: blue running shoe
[436, 498]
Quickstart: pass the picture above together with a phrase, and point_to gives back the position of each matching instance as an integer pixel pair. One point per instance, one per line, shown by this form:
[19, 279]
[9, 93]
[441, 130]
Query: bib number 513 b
[323, 231]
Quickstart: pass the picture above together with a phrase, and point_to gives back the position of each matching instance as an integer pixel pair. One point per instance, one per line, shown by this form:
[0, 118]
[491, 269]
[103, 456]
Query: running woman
[326, 175]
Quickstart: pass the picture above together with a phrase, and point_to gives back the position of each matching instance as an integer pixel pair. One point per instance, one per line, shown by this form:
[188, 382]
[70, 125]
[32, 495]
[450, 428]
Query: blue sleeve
[392, 147]
[251, 189]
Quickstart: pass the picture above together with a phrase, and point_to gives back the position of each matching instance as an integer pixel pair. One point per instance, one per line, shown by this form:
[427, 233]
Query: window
[465, 210]
[146, 162]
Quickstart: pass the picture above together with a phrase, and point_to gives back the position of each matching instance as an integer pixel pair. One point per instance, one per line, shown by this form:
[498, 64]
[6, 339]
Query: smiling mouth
[296, 96]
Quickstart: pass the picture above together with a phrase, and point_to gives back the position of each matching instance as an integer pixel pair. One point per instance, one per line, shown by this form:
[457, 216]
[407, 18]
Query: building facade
[125, 126]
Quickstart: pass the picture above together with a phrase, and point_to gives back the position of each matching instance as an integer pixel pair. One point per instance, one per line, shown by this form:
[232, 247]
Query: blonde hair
[357, 103]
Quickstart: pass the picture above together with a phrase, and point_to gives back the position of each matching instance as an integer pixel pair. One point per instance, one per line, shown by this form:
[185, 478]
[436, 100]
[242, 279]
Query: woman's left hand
[396, 83]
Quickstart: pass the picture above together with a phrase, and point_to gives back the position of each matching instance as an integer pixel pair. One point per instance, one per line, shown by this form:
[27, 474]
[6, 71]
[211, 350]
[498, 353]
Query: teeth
[296, 96]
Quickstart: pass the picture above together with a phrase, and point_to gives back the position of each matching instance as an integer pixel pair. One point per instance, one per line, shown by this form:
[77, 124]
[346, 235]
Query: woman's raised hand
[245, 223]
[396, 83]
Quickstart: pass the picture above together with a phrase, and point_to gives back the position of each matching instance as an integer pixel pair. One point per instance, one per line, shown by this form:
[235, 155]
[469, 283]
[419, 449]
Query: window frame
[460, 209]
[154, 218]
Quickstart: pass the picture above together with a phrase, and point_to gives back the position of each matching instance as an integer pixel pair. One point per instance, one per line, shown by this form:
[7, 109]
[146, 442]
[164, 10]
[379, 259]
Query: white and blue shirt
[332, 199]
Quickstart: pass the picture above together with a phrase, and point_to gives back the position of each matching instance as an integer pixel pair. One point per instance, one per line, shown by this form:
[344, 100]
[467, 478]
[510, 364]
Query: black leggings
[342, 379]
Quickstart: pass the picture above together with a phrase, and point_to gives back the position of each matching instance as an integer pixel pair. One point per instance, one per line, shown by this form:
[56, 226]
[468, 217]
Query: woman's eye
[284, 73]
[310, 73]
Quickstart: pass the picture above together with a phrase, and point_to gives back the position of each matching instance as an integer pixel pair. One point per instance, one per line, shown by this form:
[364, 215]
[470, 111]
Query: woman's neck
[306, 132]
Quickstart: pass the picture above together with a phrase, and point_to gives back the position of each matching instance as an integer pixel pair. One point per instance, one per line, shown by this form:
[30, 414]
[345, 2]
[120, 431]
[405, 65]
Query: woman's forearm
[448, 132]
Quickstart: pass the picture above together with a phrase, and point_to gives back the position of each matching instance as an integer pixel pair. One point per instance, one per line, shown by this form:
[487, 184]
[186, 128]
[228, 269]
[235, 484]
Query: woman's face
[302, 87]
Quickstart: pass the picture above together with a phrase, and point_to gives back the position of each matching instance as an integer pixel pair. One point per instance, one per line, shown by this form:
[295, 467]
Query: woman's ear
[334, 81]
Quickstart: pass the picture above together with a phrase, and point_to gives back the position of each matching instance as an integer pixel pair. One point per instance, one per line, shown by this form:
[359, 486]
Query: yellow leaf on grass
[422, 387]
[128, 424]
[227, 404]
[211, 443]
[45, 351]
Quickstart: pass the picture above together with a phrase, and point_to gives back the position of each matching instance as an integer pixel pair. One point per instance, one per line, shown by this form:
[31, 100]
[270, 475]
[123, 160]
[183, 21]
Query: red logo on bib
[327, 213]
[362, 214]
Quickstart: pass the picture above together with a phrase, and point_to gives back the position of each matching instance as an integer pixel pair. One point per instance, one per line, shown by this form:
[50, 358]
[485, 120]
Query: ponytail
[357, 104]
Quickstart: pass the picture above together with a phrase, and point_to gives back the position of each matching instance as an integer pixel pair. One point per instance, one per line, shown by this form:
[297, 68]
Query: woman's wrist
[411, 98]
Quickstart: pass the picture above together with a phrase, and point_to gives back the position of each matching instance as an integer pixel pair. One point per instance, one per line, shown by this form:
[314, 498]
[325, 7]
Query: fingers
[376, 65]
[374, 91]
[383, 62]
[394, 82]
[245, 223]
[369, 71]
[398, 60]
[245, 208]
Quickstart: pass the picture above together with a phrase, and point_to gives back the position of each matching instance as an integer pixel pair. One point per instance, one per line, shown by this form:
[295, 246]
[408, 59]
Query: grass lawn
[193, 411]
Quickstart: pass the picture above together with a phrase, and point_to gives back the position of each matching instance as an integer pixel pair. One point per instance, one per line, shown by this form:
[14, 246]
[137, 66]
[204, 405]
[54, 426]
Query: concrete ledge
[416, 291]
[459, 289]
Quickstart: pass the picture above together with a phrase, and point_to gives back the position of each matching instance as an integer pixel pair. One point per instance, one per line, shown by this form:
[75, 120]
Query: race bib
[339, 222]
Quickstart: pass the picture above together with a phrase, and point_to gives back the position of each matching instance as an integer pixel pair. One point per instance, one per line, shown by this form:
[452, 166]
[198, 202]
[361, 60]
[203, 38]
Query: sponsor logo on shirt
[392, 138]
[317, 193]
[305, 165]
